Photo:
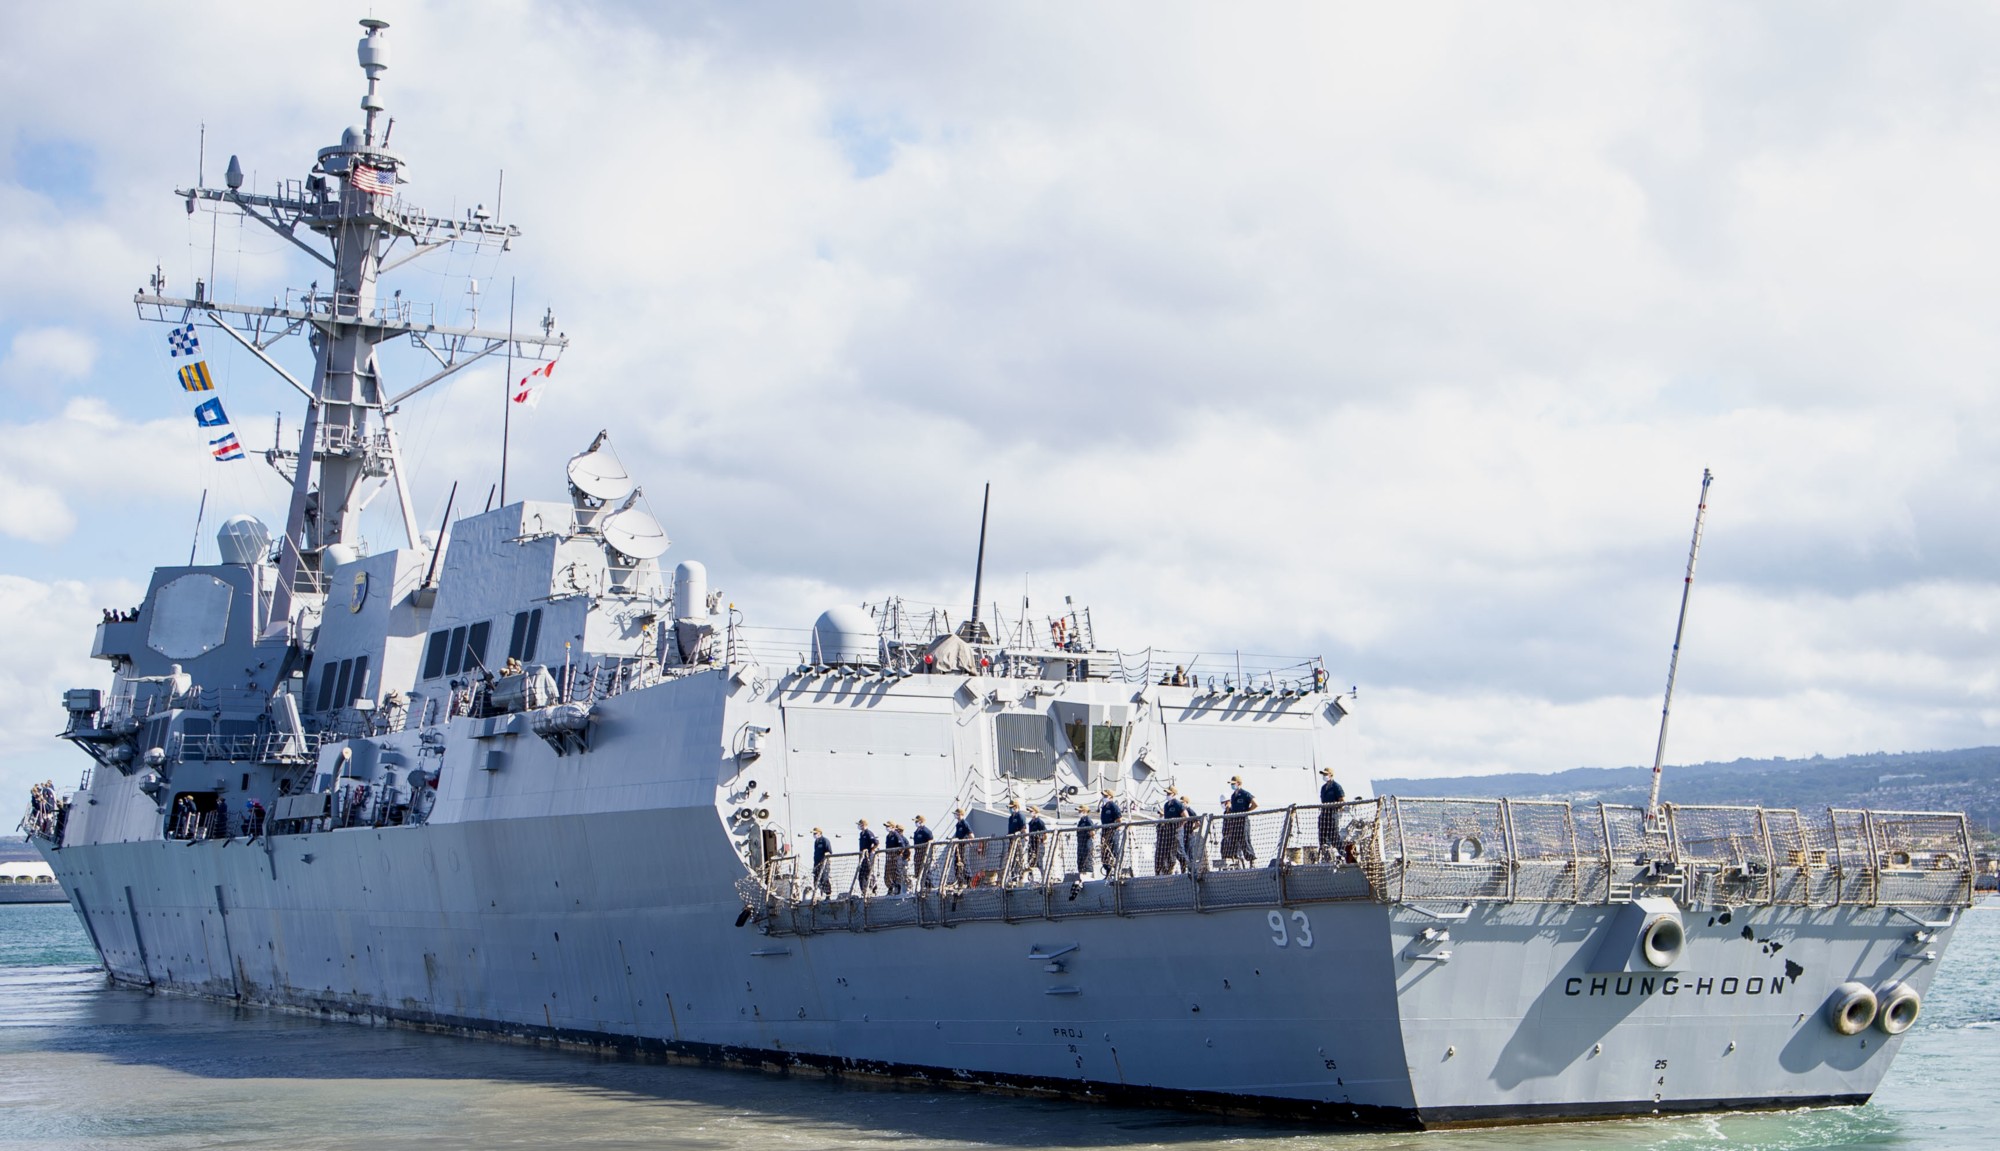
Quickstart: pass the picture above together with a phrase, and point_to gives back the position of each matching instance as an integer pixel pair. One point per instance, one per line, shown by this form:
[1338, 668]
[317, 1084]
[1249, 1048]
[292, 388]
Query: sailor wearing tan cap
[1236, 825]
[1112, 837]
[1330, 793]
[865, 843]
[822, 863]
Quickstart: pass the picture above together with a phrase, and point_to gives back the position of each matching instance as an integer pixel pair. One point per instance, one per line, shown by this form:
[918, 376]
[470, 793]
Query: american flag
[372, 180]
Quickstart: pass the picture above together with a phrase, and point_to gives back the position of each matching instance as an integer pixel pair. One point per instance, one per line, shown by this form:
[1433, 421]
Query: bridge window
[1106, 741]
[527, 629]
[1098, 742]
[475, 645]
[341, 696]
[440, 643]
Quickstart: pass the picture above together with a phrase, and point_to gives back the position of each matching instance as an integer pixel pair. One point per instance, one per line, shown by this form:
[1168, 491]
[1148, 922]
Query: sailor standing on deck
[1037, 837]
[1085, 832]
[896, 850]
[1110, 815]
[1236, 825]
[1330, 793]
[1017, 843]
[865, 842]
[822, 863]
[921, 839]
[961, 850]
[1193, 853]
[1167, 834]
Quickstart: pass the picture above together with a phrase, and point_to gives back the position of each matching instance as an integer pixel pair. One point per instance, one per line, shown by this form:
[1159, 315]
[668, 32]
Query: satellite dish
[632, 531]
[598, 474]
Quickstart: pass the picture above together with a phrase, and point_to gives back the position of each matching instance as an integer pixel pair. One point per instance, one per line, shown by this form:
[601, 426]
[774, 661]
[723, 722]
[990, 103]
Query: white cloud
[86, 465]
[1402, 335]
[39, 357]
[46, 633]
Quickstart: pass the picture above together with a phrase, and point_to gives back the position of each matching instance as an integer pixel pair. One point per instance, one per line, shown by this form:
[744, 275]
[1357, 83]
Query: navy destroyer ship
[519, 777]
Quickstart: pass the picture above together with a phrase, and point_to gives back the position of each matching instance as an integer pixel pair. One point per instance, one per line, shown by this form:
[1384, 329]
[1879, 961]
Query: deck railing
[268, 747]
[1454, 852]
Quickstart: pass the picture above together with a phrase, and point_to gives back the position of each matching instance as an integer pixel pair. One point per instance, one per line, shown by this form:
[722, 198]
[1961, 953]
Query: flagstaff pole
[1674, 663]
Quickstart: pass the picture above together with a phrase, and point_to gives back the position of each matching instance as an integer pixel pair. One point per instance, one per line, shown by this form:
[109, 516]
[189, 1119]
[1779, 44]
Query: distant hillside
[1966, 780]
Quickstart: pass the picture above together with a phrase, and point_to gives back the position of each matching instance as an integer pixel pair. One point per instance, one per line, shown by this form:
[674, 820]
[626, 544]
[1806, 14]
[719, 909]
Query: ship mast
[348, 216]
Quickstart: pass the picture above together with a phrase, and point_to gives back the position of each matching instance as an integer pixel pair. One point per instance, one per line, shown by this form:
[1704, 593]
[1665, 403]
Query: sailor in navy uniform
[1193, 843]
[1236, 825]
[822, 863]
[1085, 832]
[1109, 815]
[920, 839]
[1330, 793]
[1166, 834]
[1037, 837]
[1017, 842]
[961, 849]
[895, 849]
[865, 843]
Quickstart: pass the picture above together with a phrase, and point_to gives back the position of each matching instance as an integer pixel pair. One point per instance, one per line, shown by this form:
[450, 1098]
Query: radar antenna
[1674, 663]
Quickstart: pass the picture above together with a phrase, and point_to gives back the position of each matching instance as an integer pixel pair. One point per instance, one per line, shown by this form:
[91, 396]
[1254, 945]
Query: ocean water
[87, 1065]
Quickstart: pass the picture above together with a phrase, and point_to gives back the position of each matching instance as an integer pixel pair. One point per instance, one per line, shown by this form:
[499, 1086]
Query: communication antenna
[1673, 664]
[599, 474]
[979, 568]
[200, 514]
[633, 532]
[437, 549]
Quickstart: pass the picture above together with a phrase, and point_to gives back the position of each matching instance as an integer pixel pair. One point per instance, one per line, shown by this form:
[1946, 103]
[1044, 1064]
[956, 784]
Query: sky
[1399, 335]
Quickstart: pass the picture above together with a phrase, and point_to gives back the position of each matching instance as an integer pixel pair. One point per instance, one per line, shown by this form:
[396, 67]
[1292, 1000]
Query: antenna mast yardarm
[349, 201]
[1673, 664]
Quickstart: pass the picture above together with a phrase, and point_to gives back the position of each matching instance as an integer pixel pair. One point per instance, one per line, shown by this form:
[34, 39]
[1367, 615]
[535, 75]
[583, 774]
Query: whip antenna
[1673, 664]
[979, 568]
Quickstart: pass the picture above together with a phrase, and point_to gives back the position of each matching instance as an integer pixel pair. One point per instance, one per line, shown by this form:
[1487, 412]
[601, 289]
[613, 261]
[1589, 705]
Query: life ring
[1662, 941]
[1851, 1008]
[1898, 1007]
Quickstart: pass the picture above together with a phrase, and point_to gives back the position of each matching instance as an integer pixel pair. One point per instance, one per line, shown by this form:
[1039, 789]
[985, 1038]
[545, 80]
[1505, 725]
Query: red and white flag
[528, 393]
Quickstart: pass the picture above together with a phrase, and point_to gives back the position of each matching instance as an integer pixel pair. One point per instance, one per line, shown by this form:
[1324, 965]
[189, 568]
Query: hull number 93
[1299, 930]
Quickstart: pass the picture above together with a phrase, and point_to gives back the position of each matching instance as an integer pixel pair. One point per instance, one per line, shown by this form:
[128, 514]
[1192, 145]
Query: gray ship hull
[618, 930]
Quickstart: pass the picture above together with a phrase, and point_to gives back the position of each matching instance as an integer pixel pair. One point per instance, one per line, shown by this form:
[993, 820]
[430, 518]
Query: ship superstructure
[522, 778]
